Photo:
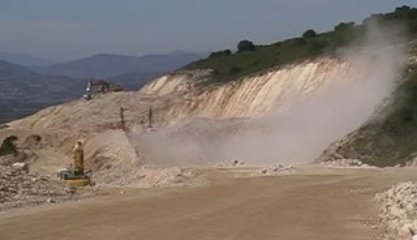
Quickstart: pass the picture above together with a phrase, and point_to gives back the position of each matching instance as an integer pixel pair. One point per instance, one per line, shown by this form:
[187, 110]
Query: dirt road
[316, 204]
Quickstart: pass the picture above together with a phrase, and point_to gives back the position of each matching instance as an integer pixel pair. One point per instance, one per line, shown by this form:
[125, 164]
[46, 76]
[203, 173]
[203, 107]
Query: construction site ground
[314, 203]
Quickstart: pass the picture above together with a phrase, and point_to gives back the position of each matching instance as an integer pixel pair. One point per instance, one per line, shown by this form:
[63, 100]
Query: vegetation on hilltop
[250, 59]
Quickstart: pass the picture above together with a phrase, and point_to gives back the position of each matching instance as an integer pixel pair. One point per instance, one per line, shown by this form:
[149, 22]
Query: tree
[8, 146]
[309, 34]
[344, 26]
[374, 18]
[245, 45]
[223, 53]
[402, 12]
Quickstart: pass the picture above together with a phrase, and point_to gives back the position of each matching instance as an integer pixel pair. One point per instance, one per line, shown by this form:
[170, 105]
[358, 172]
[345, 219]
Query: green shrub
[245, 45]
[223, 53]
[8, 146]
[344, 26]
[309, 34]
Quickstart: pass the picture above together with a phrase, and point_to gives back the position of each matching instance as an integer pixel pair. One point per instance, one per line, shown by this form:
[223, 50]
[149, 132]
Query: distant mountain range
[25, 59]
[26, 89]
[134, 81]
[111, 65]
[23, 91]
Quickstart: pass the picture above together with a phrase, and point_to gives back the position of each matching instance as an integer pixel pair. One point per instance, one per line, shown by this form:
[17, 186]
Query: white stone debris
[345, 163]
[19, 188]
[275, 170]
[398, 212]
[21, 166]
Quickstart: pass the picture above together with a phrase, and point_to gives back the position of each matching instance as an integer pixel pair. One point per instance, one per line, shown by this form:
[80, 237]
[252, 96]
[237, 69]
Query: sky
[69, 29]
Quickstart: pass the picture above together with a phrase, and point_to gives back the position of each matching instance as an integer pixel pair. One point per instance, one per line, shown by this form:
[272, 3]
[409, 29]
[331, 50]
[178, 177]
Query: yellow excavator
[76, 176]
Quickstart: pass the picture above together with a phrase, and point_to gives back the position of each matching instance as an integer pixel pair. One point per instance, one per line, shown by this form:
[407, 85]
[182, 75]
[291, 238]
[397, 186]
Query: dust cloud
[309, 125]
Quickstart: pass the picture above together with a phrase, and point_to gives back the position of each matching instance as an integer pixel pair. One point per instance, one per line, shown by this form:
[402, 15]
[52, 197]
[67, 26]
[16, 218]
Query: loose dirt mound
[117, 163]
[147, 177]
[110, 152]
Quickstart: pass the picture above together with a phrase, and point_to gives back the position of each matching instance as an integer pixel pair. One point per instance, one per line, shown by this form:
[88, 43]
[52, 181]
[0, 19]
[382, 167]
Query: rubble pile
[345, 163]
[398, 212]
[19, 188]
[229, 164]
[150, 177]
[275, 170]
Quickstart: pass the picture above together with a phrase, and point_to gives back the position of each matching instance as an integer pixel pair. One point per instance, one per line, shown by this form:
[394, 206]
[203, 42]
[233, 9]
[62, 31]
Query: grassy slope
[241, 64]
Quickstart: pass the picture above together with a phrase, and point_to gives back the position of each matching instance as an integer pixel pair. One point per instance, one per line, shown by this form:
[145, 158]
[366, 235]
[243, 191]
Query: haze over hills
[134, 81]
[23, 91]
[25, 59]
[110, 65]
[26, 87]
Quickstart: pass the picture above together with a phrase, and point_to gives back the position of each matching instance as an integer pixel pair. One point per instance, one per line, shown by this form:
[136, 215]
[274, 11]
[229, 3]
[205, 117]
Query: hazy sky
[65, 29]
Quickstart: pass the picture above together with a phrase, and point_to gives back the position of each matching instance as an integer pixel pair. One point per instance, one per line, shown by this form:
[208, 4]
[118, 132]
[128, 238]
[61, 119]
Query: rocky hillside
[182, 96]
[254, 96]
[388, 138]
